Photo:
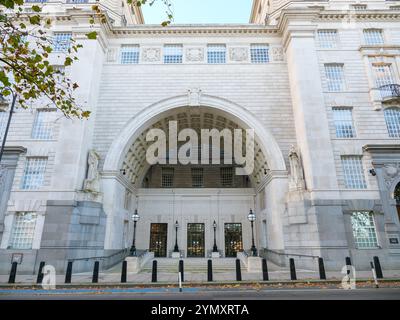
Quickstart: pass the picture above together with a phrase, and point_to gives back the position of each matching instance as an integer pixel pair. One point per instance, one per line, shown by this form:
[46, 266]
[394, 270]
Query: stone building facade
[318, 81]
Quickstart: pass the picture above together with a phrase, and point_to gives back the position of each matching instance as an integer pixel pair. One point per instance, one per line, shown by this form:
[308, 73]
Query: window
[3, 123]
[216, 53]
[61, 41]
[364, 231]
[259, 53]
[383, 75]
[373, 37]
[130, 54]
[43, 125]
[77, 1]
[173, 53]
[392, 118]
[353, 171]
[359, 7]
[327, 39]
[167, 177]
[197, 178]
[33, 177]
[226, 175]
[343, 120]
[334, 76]
[23, 230]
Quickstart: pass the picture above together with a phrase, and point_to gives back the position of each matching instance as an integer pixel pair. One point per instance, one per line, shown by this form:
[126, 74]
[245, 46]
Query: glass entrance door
[233, 239]
[195, 240]
[158, 239]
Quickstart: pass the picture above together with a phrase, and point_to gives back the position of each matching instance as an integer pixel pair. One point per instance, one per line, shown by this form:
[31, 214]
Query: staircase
[192, 265]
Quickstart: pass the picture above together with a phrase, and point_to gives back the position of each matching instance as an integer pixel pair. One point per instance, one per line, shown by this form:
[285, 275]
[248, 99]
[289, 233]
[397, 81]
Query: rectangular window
[130, 54]
[33, 177]
[343, 120]
[373, 37]
[259, 53]
[167, 177]
[173, 53]
[3, 123]
[226, 175]
[23, 230]
[334, 77]
[43, 125]
[197, 178]
[353, 171]
[61, 41]
[327, 39]
[216, 53]
[362, 223]
[359, 7]
[383, 75]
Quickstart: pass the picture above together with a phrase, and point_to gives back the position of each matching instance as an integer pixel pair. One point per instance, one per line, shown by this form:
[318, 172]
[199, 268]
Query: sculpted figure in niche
[92, 181]
[296, 170]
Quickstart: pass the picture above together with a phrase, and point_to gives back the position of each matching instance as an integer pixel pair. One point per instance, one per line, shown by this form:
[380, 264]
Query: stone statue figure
[296, 180]
[92, 181]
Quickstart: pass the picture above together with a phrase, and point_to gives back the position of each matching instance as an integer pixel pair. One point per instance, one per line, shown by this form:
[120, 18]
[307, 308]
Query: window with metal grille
[167, 177]
[216, 53]
[383, 75]
[197, 178]
[364, 232]
[343, 120]
[353, 172]
[61, 41]
[23, 230]
[392, 118]
[173, 53]
[334, 77]
[373, 36]
[259, 53]
[33, 177]
[3, 124]
[226, 175]
[359, 7]
[130, 54]
[327, 39]
[43, 125]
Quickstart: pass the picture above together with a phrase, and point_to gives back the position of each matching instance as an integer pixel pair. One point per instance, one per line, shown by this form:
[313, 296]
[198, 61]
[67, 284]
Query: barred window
[373, 36]
[353, 171]
[343, 120]
[392, 118]
[3, 124]
[383, 75]
[33, 177]
[167, 177]
[216, 53]
[197, 178]
[173, 53]
[364, 231]
[259, 53]
[61, 41]
[23, 230]
[43, 125]
[327, 39]
[334, 76]
[359, 7]
[226, 175]
[130, 54]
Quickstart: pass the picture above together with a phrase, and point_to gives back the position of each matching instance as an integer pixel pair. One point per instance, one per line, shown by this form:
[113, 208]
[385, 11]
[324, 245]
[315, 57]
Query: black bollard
[68, 275]
[154, 272]
[265, 270]
[209, 271]
[40, 275]
[13, 272]
[292, 269]
[378, 268]
[348, 261]
[123, 271]
[238, 271]
[181, 270]
[95, 277]
[321, 268]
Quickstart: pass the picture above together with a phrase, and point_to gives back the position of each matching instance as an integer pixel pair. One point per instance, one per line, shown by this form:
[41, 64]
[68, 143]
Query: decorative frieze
[151, 54]
[239, 54]
[195, 54]
[277, 54]
[112, 54]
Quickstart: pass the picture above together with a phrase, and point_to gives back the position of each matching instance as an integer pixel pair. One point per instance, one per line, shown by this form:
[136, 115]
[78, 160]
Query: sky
[200, 11]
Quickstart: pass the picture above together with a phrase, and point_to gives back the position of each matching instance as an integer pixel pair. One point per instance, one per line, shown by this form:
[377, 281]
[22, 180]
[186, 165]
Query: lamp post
[135, 218]
[252, 218]
[3, 102]
[176, 248]
[215, 249]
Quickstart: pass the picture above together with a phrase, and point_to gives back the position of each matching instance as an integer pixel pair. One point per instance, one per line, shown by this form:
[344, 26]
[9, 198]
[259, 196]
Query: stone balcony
[385, 94]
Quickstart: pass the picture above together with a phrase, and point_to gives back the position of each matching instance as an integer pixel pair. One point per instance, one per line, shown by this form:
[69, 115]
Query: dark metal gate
[195, 240]
[233, 239]
[158, 239]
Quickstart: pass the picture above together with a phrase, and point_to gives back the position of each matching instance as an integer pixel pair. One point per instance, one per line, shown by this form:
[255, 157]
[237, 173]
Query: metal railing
[290, 254]
[124, 251]
[390, 91]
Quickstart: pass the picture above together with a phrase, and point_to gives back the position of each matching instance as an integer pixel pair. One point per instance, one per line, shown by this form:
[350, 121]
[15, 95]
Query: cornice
[382, 148]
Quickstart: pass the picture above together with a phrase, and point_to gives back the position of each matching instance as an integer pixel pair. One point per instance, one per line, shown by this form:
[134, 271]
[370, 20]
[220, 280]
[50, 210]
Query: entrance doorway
[158, 239]
[233, 239]
[195, 240]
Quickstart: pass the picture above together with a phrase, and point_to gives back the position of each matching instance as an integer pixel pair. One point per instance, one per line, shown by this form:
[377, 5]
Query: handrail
[390, 90]
[101, 257]
[291, 254]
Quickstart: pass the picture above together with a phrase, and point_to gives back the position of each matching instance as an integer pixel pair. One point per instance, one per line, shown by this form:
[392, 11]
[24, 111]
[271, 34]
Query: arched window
[392, 118]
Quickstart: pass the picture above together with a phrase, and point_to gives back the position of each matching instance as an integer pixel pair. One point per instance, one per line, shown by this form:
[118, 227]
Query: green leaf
[34, 19]
[36, 8]
[92, 35]
[68, 61]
